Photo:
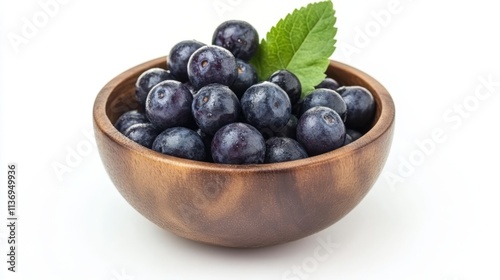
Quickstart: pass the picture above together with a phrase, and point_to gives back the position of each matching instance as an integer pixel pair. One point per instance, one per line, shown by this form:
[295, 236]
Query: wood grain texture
[241, 205]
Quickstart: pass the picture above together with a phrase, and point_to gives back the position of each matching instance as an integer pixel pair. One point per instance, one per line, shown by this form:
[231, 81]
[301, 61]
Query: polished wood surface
[241, 205]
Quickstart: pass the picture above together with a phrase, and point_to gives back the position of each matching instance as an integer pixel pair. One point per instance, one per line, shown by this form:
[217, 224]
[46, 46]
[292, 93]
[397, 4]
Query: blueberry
[289, 83]
[328, 83]
[360, 106]
[147, 80]
[327, 98]
[212, 64]
[247, 76]
[238, 143]
[214, 106]
[355, 135]
[266, 105]
[348, 139]
[178, 58]
[297, 107]
[190, 87]
[238, 36]
[180, 142]
[142, 133]
[169, 105]
[130, 118]
[289, 130]
[320, 130]
[207, 142]
[281, 149]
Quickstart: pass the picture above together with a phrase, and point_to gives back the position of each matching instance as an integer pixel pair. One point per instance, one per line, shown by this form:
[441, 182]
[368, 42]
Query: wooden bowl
[241, 205]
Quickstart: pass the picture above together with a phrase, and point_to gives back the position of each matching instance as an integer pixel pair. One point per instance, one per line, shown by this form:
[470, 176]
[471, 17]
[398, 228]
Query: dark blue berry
[289, 130]
[360, 106]
[178, 58]
[289, 83]
[297, 107]
[169, 105]
[238, 143]
[328, 83]
[214, 106]
[207, 142]
[180, 142]
[238, 36]
[190, 87]
[142, 133]
[348, 139]
[320, 130]
[247, 76]
[327, 98]
[212, 64]
[281, 149]
[355, 135]
[266, 105]
[147, 80]
[130, 118]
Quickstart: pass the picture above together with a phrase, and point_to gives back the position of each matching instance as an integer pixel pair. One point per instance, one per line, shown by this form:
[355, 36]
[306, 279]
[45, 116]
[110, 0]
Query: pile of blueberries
[210, 106]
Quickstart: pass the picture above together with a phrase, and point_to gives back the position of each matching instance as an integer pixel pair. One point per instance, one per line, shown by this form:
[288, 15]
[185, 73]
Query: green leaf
[302, 43]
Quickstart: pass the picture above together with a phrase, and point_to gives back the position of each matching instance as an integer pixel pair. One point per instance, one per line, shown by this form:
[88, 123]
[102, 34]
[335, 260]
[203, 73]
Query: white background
[432, 215]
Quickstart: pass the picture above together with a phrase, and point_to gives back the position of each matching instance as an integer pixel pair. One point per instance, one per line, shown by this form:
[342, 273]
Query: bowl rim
[382, 124]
